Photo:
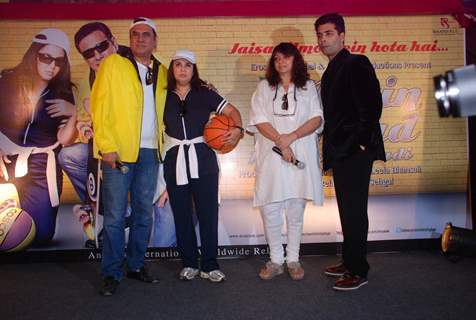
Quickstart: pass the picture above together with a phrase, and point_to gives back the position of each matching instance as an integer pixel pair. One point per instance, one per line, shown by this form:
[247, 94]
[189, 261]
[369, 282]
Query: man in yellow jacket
[95, 42]
[127, 104]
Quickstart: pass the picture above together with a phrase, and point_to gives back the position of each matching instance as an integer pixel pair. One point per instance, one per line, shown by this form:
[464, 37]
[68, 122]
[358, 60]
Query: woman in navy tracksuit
[37, 117]
[191, 167]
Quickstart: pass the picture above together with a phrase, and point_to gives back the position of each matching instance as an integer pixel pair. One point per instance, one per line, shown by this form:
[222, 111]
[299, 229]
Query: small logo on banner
[444, 23]
[444, 27]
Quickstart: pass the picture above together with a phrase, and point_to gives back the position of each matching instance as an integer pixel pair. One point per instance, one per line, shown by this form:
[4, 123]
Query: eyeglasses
[182, 109]
[47, 59]
[149, 76]
[100, 48]
[285, 104]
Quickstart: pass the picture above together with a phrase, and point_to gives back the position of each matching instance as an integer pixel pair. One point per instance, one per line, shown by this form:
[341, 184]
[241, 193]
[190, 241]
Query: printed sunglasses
[100, 48]
[47, 59]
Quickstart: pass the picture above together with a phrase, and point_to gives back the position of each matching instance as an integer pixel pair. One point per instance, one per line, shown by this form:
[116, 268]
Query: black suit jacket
[352, 104]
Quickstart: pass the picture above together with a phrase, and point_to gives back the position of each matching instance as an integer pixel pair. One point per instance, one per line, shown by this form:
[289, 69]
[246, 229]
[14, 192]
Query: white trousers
[272, 215]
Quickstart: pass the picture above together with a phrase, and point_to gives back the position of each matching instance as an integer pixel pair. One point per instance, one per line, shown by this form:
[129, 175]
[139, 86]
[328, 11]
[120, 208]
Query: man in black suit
[352, 104]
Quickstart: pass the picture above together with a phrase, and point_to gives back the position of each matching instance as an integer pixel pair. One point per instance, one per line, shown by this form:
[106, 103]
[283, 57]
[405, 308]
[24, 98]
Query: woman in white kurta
[286, 112]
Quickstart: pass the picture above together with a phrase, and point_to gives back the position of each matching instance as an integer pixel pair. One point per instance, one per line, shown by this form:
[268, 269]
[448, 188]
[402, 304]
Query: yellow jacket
[116, 106]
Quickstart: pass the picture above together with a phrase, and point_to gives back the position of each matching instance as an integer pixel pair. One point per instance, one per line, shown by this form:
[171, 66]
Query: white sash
[21, 167]
[181, 166]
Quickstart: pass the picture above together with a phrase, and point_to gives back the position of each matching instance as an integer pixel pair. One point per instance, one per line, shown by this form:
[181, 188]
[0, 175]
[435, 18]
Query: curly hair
[299, 70]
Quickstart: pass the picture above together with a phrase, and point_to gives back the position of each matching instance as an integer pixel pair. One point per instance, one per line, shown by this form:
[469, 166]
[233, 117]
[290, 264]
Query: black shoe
[109, 286]
[142, 275]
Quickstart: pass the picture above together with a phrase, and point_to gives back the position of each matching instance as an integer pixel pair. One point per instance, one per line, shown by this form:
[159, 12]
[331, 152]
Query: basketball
[214, 131]
[17, 228]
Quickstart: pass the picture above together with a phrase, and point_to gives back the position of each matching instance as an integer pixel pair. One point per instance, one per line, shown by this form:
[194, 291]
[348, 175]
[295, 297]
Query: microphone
[296, 162]
[119, 166]
[122, 167]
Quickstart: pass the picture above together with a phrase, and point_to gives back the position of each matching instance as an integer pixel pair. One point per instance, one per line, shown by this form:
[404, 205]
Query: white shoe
[188, 273]
[213, 276]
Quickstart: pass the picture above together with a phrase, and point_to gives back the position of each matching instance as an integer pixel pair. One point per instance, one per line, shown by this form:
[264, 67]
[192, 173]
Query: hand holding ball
[215, 130]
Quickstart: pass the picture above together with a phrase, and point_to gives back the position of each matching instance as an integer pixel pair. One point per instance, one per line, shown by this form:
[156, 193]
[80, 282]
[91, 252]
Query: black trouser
[204, 194]
[351, 181]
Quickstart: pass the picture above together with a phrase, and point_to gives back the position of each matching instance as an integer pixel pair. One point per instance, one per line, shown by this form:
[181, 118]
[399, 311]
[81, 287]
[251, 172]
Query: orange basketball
[214, 131]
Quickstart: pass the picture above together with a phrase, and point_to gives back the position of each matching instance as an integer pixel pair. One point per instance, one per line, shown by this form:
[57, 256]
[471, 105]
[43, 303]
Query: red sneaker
[337, 270]
[350, 282]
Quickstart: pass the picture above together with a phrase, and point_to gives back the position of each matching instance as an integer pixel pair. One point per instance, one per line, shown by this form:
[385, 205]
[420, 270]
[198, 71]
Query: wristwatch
[242, 131]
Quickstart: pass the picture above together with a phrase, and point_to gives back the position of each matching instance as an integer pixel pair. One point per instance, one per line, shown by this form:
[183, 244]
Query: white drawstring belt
[21, 166]
[181, 166]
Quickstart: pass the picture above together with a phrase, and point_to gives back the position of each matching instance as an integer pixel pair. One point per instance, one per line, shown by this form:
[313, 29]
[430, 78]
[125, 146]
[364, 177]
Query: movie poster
[47, 169]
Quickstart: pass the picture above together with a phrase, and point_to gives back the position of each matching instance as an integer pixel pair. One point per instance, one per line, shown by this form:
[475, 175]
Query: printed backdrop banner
[426, 155]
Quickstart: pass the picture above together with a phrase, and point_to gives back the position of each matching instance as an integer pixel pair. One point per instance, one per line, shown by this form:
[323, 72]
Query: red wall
[248, 8]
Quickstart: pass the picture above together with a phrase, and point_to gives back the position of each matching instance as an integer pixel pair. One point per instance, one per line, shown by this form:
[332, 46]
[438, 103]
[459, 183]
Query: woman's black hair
[299, 71]
[195, 82]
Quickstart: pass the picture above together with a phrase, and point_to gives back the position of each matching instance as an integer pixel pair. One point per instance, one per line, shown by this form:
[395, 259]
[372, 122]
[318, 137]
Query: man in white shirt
[127, 104]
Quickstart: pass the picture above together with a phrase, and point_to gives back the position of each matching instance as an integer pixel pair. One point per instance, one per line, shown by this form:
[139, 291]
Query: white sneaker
[213, 276]
[188, 273]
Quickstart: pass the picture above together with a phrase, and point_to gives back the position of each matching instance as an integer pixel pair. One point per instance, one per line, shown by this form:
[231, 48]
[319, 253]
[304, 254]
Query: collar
[121, 50]
[344, 53]
[155, 65]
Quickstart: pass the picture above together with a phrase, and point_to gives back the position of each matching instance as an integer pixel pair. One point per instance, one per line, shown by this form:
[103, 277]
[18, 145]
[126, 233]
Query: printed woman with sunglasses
[37, 117]
[191, 167]
[286, 116]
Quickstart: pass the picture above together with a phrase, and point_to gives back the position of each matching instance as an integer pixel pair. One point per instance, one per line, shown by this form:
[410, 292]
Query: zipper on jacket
[33, 115]
[155, 70]
[182, 116]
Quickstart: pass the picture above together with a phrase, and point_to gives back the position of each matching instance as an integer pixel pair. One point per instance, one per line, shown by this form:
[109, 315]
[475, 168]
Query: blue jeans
[74, 161]
[164, 227]
[140, 182]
